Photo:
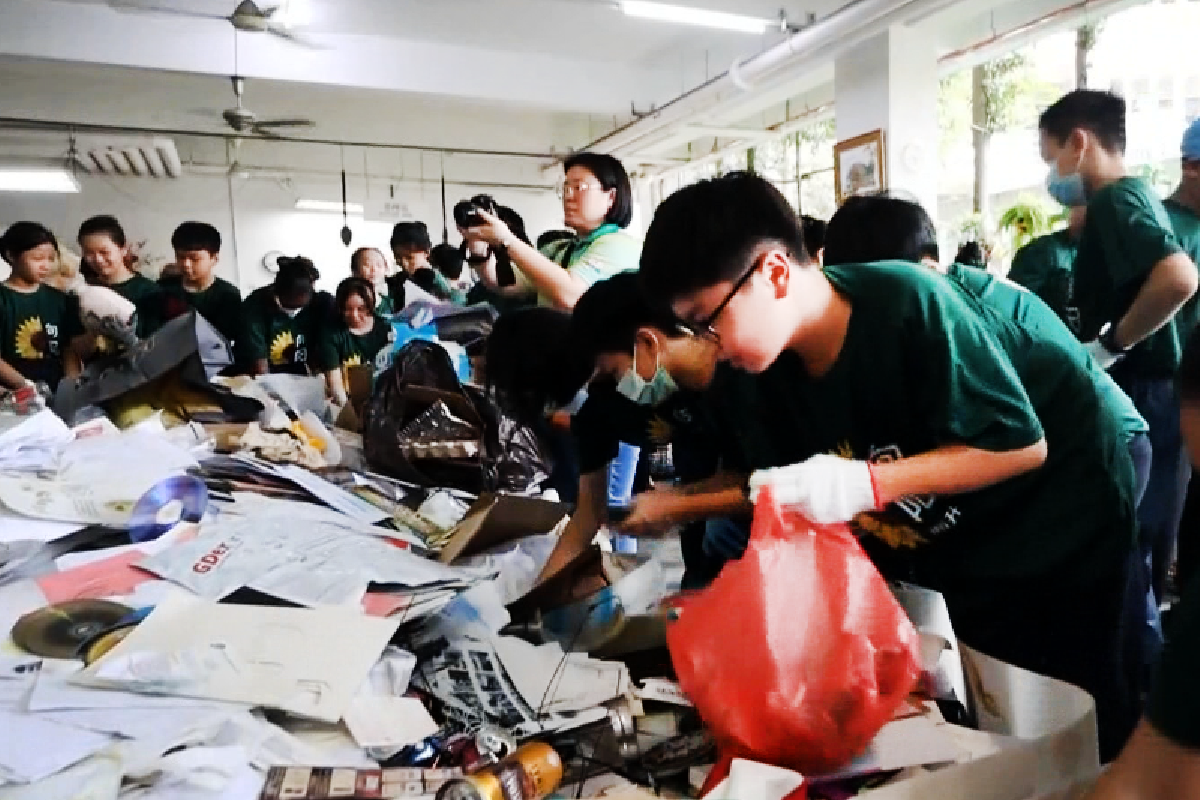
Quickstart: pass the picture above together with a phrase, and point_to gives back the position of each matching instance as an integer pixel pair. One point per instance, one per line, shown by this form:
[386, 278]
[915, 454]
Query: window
[1166, 92]
[1141, 95]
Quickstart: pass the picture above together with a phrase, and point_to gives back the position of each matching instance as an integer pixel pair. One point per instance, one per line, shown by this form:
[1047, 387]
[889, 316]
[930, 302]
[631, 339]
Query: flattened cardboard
[496, 519]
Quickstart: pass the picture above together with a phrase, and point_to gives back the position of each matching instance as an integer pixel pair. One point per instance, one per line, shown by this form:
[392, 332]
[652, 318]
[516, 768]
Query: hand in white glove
[1104, 357]
[825, 488]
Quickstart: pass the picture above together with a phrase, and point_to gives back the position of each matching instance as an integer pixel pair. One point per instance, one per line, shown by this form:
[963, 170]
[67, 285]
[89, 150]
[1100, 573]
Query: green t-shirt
[1029, 312]
[220, 304]
[1045, 267]
[921, 367]
[1174, 703]
[1127, 232]
[341, 348]
[150, 301]
[288, 344]
[598, 256]
[36, 329]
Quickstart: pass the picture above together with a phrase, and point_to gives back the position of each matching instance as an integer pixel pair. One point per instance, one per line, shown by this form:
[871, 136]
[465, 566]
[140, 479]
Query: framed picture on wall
[858, 165]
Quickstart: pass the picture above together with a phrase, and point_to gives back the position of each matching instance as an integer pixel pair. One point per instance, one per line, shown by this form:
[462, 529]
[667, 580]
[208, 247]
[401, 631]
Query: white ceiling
[528, 75]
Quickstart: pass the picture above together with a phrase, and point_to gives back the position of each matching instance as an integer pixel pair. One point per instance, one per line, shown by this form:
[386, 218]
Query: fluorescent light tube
[330, 206]
[32, 179]
[694, 16]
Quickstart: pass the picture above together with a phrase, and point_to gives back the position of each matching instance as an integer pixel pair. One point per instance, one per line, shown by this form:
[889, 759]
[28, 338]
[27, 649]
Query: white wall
[265, 217]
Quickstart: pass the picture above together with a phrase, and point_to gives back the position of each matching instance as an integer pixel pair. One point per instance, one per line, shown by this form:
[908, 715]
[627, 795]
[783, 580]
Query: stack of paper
[306, 661]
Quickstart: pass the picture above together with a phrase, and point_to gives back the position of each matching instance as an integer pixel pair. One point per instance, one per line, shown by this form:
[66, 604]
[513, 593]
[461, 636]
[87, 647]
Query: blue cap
[1191, 141]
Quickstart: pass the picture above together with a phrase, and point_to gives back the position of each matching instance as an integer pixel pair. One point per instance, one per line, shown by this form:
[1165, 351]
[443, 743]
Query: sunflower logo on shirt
[31, 339]
[283, 348]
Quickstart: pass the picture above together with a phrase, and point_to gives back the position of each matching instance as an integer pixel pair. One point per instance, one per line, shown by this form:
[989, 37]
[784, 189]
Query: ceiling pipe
[23, 123]
[826, 38]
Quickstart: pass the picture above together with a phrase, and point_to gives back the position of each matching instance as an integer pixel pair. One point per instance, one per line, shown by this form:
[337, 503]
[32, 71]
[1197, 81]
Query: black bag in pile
[505, 455]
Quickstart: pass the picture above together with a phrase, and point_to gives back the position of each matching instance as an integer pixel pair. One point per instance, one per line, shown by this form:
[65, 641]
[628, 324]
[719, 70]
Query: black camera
[466, 212]
[466, 215]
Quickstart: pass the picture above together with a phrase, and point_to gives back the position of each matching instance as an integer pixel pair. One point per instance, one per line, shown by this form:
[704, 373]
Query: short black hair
[21, 237]
[448, 260]
[351, 286]
[196, 236]
[612, 175]
[105, 224]
[411, 233]
[607, 317]
[814, 233]
[1101, 113]
[707, 233]
[295, 278]
[356, 256]
[972, 255]
[553, 236]
[531, 362]
[880, 227]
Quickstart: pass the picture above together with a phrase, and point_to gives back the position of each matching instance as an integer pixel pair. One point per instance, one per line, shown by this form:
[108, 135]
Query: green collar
[603, 230]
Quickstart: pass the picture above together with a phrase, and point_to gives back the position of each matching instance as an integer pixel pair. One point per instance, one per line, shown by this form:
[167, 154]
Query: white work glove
[825, 488]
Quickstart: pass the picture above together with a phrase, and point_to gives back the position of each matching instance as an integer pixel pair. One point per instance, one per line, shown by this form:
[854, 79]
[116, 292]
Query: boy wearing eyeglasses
[877, 395]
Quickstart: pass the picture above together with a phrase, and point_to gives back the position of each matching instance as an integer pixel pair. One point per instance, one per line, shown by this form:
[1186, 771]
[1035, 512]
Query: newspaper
[470, 680]
[303, 557]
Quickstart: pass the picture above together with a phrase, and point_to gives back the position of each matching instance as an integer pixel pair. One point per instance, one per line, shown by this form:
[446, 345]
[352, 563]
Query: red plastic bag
[797, 654]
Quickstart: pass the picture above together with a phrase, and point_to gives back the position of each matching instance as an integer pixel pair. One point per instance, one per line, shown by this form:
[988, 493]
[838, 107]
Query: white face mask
[291, 312]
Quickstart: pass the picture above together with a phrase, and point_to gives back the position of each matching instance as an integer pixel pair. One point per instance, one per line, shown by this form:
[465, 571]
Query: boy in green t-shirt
[411, 246]
[877, 395]
[37, 322]
[197, 251]
[1093, 431]
[1046, 265]
[106, 258]
[1131, 279]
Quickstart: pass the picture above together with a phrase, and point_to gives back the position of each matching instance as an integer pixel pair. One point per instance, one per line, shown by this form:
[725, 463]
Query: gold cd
[58, 631]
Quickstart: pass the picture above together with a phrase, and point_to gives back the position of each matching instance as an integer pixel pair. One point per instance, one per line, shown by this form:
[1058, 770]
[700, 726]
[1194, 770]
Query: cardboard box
[496, 519]
[1056, 723]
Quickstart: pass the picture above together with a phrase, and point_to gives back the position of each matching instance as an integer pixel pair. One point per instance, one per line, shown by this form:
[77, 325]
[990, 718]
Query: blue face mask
[1066, 189]
[647, 392]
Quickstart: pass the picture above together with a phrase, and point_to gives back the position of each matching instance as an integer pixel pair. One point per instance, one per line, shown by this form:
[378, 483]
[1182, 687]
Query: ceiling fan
[248, 17]
[243, 120]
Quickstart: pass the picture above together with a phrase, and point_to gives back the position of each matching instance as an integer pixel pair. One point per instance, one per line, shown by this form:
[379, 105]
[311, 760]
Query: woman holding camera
[597, 206]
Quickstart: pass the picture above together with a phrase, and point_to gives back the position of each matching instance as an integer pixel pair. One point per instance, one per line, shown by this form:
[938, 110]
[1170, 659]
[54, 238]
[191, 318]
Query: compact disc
[98, 646]
[180, 498]
[59, 630]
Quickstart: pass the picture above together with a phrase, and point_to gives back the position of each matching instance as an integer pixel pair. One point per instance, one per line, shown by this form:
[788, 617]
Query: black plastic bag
[509, 458]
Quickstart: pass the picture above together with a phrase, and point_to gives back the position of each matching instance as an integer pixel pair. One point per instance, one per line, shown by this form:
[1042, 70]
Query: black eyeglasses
[476, 261]
[705, 327]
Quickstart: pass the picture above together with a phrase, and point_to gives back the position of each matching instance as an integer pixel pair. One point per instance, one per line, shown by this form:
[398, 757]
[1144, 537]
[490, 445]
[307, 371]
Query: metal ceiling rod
[20, 123]
[826, 38]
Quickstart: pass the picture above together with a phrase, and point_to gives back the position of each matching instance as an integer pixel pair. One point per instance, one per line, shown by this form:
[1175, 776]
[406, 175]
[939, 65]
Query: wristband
[1108, 343]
